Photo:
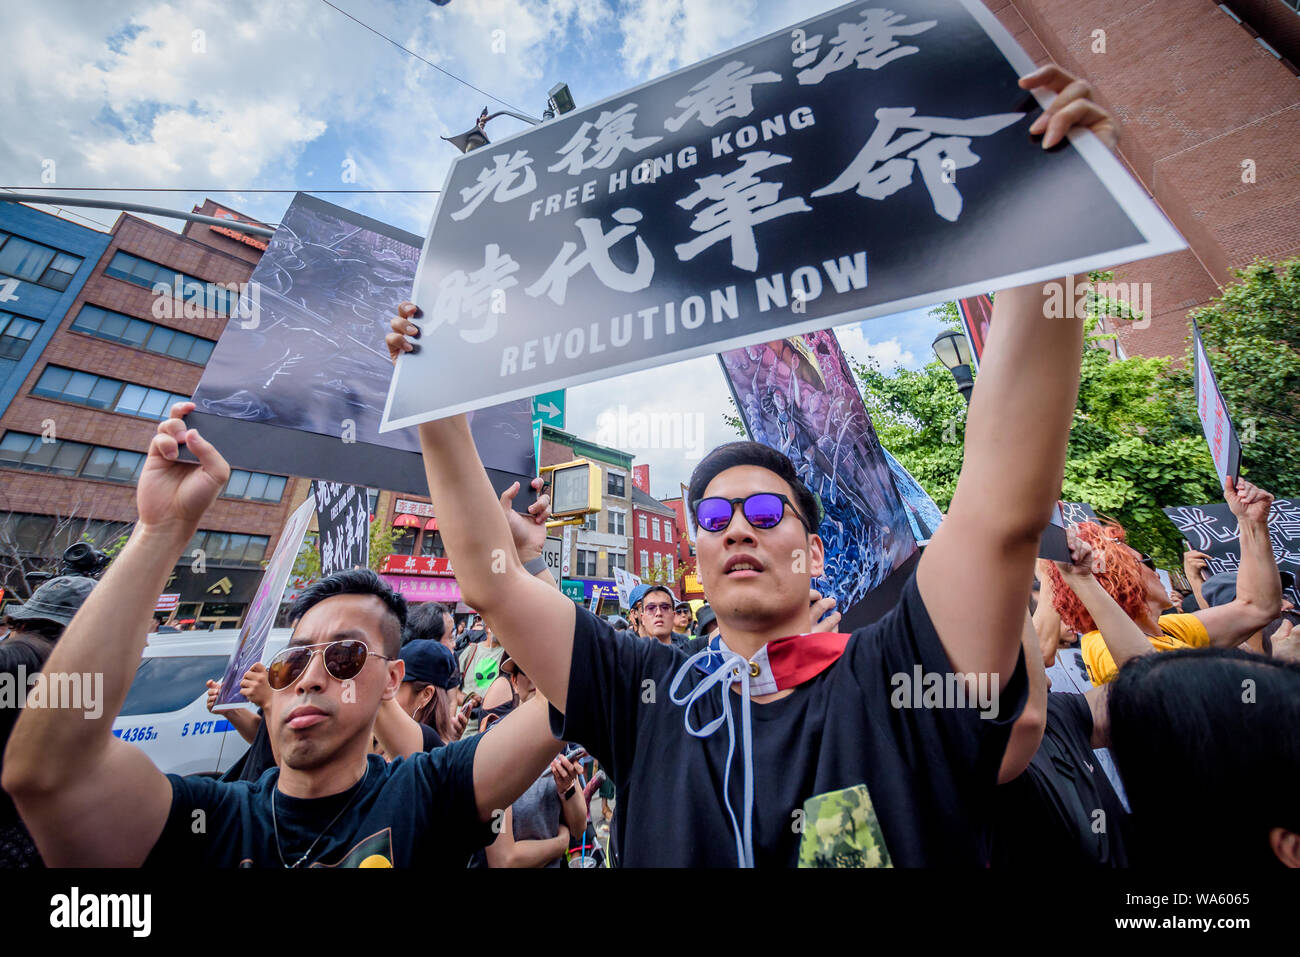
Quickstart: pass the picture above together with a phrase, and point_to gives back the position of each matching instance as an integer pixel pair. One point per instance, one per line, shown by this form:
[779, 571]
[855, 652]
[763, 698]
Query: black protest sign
[343, 523]
[1212, 529]
[1074, 513]
[858, 164]
[298, 385]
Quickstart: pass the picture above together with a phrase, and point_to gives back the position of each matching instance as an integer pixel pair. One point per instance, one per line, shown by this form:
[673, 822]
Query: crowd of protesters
[1007, 712]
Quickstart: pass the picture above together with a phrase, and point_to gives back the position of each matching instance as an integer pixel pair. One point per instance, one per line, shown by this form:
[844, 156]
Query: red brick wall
[1195, 96]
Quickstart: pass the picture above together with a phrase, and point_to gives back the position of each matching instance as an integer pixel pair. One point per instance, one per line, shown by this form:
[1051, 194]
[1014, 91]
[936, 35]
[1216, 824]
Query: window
[615, 484]
[618, 523]
[15, 333]
[43, 265]
[668, 532]
[669, 560]
[431, 546]
[404, 541]
[586, 563]
[617, 560]
[640, 524]
[142, 272]
[228, 548]
[645, 564]
[101, 392]
[49, 535]
[589, 522]
[169, 684]
[257, 486]
[116, 327]
[21, 450]
[654, 529]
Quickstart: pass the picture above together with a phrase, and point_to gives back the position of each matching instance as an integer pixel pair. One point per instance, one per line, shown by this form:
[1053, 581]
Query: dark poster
[298, 387]
[343, 523]
[1212, 529]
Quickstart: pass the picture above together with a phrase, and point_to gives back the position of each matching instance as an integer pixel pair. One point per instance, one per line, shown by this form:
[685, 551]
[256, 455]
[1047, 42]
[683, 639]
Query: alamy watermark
[932, 689]
[624, 429]
[82, 691]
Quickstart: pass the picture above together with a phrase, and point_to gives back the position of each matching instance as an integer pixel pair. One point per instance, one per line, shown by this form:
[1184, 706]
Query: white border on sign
[1160, 237]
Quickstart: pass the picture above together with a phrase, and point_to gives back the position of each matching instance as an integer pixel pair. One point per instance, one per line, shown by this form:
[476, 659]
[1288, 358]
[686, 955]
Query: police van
[166, 711]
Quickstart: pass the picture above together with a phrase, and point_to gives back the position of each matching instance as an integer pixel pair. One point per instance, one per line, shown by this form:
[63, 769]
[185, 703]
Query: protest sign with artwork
[923, 514]
[779, 188]
[799, 397]
[1212, 529]
[266, 604]
[298, 386]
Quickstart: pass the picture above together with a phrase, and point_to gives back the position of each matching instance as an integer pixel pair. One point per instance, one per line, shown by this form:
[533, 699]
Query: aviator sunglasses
[761, 510]
[343, 660]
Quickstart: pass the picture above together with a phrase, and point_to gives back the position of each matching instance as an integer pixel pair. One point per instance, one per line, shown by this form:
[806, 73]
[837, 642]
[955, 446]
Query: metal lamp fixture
[953, 350]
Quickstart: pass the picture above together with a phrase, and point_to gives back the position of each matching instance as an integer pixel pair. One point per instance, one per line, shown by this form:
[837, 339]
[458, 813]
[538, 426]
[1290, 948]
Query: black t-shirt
[1050, 813]
[417, 810]
[430, 738]
[837, 769]
[22, 658]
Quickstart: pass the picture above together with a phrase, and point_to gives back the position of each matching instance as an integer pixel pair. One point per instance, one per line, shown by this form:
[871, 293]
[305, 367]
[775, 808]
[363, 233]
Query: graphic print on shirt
[841, 829]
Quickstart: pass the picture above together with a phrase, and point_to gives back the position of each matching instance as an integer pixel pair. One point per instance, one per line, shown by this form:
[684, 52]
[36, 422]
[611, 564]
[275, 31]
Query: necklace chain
[276, 827]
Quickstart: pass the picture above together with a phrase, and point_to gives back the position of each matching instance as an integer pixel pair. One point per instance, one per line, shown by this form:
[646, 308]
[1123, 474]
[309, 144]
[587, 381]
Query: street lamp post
[953, 350]
[558, 100]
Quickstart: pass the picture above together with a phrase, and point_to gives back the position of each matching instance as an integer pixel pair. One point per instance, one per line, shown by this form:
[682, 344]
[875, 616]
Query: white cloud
[888, 352]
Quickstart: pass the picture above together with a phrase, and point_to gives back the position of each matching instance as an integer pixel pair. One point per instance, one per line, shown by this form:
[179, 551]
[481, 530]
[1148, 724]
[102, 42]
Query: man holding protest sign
[891, 781]
[91, 799]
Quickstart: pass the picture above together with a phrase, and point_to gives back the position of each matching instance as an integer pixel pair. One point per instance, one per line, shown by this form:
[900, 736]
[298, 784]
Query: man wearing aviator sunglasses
[91, 799]
[773, 724]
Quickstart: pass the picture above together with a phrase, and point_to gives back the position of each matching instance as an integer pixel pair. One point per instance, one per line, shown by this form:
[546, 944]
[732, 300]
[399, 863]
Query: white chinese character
[870, 43]
[461, 295]
[554, 282]
[498, 180]
[726, 93]
[740, 202]
[613, 136]
[893, 173]
[1200, 528]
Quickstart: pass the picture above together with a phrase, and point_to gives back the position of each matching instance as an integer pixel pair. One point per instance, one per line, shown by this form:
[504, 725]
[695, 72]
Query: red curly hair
[1122, 580]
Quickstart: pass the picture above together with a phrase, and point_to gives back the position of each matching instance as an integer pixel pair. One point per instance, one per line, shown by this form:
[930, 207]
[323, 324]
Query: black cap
[682, 606]
[57, 600]
[703, 618]
[429, 661]
[1221, 589]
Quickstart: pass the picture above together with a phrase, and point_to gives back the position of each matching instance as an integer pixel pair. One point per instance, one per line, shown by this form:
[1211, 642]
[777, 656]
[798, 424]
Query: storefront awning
[431, 525]
[406, 521]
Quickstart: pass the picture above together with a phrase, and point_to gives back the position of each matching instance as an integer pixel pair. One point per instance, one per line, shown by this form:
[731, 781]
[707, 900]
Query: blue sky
[203, 95]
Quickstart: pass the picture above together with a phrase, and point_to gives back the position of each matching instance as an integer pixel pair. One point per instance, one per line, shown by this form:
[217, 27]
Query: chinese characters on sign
[1212, 529]
[748, 198]
[343, 523]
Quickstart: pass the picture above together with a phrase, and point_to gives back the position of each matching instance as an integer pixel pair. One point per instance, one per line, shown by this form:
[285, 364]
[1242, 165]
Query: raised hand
[1084, 563]
[528, 531]
[254, 686]
[171, 494]
[1072, 107]
[820, 606]
[402, 327]
[1248, 502]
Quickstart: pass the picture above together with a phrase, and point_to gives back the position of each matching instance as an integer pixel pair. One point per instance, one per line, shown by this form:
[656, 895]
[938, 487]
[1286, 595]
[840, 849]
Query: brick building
[74, 436]
[687, 586]
[654, 540]
[1209, 103]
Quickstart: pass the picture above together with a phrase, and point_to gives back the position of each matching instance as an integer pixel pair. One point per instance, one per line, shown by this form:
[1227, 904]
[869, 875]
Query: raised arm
[1259, 586]
[533, 621]
[1027, 732]
[1123, 638]
[976, 571]
[89, 799]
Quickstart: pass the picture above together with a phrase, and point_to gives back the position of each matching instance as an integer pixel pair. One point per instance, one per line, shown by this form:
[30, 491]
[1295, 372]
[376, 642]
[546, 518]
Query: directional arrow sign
[549, 407]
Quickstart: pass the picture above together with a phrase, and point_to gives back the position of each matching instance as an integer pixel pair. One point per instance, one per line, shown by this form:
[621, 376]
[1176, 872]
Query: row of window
[227, 548]
[116, 327]
[51, 534]
[15, 333]
[34, 262]
[654, 525]
[102, 392]
[405, 542]
[587, 559]
[143, 272]
[647, 568]
[22, 450]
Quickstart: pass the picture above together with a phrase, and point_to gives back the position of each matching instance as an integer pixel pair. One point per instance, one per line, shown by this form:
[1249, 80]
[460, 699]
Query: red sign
[168, 602]
[641, 477]
[976, 314]
[417, 565]
[247, 239]
[407, 507]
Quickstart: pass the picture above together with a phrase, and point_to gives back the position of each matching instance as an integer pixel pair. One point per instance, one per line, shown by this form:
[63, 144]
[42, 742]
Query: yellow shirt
[1180, 631]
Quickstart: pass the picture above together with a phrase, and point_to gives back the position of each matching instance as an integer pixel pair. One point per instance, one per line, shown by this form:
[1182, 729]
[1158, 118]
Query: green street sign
[549, 408]
[572, 590]
[537, 447]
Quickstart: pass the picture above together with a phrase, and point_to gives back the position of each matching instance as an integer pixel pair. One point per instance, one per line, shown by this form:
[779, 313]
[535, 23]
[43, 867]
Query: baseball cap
[682, 606]
[430, 661]
[703, 618]
[640, 591]
[1221, 589]
[57, 600]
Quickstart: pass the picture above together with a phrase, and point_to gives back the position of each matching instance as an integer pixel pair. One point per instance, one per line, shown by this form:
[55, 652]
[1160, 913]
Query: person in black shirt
[91, 799]
[818, 762]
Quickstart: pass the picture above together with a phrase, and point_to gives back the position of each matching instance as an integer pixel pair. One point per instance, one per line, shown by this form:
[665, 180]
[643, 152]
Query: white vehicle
[165, 713]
